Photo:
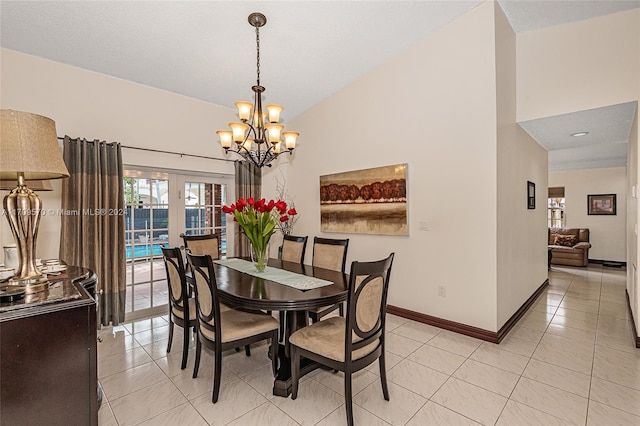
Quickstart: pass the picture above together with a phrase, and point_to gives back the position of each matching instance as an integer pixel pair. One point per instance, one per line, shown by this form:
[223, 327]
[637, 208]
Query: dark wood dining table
[246, 291]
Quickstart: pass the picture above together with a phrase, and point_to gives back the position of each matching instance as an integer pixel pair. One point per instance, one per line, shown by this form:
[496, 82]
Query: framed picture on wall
[598, 204]
[369, 201]
[531, 195]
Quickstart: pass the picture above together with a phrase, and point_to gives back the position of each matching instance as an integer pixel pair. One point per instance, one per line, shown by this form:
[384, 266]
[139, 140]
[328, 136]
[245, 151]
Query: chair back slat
[330, 253]
[293, 248]
[207, 304]
[367, 303]
[176, 279]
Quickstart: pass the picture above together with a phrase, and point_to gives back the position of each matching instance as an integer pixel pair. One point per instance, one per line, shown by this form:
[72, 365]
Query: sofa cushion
[565, 240]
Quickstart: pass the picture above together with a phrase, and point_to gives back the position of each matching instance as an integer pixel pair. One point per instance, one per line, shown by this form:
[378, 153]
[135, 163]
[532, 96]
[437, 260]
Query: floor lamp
[28, 151]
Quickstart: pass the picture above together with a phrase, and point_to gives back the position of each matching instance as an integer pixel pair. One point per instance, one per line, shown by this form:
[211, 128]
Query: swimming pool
[145, 250]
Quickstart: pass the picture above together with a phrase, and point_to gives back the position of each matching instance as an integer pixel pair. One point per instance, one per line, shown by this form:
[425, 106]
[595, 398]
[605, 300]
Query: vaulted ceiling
[206, 49]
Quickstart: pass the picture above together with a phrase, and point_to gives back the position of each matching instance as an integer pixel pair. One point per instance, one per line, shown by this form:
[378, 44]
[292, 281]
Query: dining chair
[202, 244]
[328, 253]
[293, 248]
[352, 343]
[221, 330]
[182, 308]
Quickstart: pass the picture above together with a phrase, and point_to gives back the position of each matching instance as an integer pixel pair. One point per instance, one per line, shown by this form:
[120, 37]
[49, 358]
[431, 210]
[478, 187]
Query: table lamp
[28, 151]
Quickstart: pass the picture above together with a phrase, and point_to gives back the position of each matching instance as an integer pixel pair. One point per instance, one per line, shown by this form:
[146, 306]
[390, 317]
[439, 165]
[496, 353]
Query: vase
[260, 257]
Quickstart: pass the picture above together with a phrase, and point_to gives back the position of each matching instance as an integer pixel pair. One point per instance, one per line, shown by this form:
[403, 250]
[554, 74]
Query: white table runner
[288, 278]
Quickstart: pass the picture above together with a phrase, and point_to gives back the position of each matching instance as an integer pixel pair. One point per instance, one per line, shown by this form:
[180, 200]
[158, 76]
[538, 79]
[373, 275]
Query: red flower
[292, 212]
[241, 204]
[250, 201]
[281, 206]
[284, 218]
[229, 209]
[270, 206]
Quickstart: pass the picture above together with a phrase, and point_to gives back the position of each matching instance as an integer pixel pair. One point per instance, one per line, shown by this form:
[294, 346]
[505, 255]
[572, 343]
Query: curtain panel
[248, 184]
[92, 234]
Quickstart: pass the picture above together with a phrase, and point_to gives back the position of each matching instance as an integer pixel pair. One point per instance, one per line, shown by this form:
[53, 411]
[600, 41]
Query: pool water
[145, 250]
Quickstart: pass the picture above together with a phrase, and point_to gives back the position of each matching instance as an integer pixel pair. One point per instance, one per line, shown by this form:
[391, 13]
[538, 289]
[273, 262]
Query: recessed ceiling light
[579, 134]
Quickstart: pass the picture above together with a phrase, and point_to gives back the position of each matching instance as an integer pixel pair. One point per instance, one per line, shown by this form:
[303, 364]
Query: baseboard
[609, 263]
[633, 322]
[468, 330]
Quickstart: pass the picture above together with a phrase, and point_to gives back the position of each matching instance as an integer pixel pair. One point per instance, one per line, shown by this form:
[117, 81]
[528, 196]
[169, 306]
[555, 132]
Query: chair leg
[247, 350]
[348, 402]
[170, 334]
[217, 372]
[341, 309]
[196, 366]
[295, 371]
[185, 347]
[383, 376]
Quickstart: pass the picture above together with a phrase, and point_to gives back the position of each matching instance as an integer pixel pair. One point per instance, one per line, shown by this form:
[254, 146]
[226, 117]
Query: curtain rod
[181, 154]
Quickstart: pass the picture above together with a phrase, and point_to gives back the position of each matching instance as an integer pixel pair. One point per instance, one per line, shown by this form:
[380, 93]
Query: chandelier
[258, 137]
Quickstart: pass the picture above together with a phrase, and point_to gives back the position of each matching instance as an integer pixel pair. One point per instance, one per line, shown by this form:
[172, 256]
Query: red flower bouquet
[258, 221]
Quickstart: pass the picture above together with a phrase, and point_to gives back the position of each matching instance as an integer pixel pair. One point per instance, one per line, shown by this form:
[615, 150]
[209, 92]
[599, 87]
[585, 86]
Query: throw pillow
[566, 240]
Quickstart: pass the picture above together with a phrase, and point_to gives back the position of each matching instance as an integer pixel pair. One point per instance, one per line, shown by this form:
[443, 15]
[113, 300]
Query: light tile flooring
[570, 360]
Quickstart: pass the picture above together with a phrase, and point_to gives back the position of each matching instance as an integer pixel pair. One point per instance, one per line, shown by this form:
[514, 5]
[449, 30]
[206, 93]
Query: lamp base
[23, 209]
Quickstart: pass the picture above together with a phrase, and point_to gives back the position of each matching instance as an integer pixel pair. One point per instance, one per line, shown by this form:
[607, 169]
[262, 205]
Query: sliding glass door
[203, 201]
[160, 207]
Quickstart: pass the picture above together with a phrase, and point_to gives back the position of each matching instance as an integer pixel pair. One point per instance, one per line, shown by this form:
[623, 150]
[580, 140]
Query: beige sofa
[569, 246]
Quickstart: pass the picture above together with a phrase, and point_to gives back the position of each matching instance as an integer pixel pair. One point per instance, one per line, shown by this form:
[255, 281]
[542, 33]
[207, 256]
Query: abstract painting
[369, 201]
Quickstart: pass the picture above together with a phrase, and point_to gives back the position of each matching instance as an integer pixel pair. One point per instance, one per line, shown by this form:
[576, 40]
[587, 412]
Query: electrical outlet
[442, 291]
[423, 226]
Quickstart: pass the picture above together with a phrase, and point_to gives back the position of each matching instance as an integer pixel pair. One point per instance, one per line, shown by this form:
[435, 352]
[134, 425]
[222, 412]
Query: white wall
[430, 107]
[607, 233]
[522, 234]
[578, 66]
[95, 106]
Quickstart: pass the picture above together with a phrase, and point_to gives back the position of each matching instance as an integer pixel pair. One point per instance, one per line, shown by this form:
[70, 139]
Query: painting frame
[367, 201]
[531, 195]
[601, 204]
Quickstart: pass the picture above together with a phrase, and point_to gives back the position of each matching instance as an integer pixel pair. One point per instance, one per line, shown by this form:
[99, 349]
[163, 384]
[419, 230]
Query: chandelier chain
[258, 53]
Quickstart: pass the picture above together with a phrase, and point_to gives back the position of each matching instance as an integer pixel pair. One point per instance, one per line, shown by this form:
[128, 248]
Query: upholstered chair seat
[236, 325]
[326, 338]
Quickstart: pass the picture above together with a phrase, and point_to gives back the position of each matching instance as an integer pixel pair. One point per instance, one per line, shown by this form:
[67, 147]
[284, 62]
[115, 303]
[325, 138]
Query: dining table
[287, 287]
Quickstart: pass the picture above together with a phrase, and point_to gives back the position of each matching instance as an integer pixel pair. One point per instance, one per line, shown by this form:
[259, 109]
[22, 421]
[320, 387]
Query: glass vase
[260, 257]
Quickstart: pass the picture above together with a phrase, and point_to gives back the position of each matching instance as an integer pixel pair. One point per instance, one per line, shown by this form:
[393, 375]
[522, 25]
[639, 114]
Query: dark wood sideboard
[48, 354]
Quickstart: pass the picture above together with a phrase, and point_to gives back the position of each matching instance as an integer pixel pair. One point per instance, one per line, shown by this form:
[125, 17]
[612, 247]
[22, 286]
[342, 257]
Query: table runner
[288, 278]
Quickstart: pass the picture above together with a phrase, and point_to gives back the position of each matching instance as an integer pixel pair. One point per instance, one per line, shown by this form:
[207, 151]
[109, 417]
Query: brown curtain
[93, 237]
[248, 184]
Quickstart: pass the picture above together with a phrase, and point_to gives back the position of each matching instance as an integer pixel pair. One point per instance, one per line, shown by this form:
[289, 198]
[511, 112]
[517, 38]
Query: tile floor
[570, 360]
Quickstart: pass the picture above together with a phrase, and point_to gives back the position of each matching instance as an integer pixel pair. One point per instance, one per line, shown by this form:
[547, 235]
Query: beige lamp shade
[274, 112]
[29, 145]
[244, 109]
[34, 185]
